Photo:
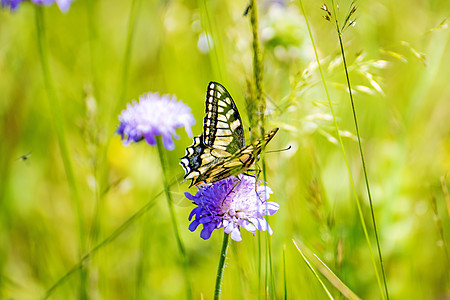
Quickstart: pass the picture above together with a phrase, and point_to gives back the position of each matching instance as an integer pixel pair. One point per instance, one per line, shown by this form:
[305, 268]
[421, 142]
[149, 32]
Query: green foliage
[399, 65]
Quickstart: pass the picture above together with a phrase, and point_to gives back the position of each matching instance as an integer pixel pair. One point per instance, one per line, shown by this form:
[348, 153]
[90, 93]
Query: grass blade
[314, 271]
[128, 222]
[369, 194]
[328, 273]
[355, 194]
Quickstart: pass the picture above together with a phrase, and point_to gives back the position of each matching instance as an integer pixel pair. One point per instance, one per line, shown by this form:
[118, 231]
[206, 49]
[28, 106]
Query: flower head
[232, 203]
[64, 5]
[155, 115]
[13, 4]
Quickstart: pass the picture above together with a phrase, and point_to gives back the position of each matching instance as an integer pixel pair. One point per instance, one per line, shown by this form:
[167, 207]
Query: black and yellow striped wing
[222, 125]
[220, 151]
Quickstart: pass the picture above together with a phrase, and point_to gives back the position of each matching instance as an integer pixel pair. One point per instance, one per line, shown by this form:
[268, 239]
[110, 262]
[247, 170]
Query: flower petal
[269, 208]
[236, 235]
[168, 142]
[193, 226]
[207, 231]
[189, 196]
[150, 138]
[228, 227]
[195, 211]
[248, 226]
[64, 5]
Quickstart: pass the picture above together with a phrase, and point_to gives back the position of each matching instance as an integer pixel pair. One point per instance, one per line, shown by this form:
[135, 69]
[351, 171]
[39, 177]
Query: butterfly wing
[239, 162]
[223, 135]
[220, 151]
[222, 125]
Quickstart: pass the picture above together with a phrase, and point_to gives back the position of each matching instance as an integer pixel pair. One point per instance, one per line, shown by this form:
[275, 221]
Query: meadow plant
[340, 28]
[50, 201]
[154, 119]
[232, 203]
[63, 5]
[152, 116]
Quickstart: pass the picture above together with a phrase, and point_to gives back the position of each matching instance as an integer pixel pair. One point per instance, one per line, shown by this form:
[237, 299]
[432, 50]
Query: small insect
[24, 157]
[247, 10]
[220, 151]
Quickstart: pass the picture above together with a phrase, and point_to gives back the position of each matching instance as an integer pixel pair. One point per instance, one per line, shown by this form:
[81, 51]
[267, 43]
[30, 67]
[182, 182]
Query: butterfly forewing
[222, 125]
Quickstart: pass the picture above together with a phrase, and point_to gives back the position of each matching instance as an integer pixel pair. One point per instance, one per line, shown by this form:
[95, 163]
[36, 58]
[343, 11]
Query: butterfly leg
[234, 186]
[257, 172]
[256, 176]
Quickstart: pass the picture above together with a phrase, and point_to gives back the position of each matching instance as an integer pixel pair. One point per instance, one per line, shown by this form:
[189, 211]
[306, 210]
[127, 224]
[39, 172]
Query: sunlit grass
[102, 54]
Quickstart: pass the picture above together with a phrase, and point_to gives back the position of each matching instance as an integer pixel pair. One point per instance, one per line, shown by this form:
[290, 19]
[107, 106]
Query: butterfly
[220, 151]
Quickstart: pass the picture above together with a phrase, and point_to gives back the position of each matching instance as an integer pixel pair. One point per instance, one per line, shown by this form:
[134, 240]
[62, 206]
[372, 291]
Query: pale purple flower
[232, 203]
[12, 4]
[63, 5]
[155, 115]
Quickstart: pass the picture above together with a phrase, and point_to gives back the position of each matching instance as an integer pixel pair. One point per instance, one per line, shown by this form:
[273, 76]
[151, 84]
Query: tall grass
[338, 134]
[83, 216]
[339, 30]
[58, 125]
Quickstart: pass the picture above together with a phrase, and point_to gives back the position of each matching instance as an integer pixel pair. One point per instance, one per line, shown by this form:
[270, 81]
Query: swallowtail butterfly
[220, 151]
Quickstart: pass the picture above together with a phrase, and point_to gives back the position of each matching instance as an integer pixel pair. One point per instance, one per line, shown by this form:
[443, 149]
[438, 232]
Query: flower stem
[58, 124]
[258, 73]
[127, 55]
[221, 266]
[163, 160]
[258, 69]
[284, 274]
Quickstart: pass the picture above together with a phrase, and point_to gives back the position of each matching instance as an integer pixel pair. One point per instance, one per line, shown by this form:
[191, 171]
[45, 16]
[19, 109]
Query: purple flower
[64, 5]
[232, 203]
[13, 4]
[155, 115]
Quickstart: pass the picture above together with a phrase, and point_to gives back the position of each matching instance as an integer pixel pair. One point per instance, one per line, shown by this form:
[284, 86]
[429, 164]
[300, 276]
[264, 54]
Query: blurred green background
[399, 59]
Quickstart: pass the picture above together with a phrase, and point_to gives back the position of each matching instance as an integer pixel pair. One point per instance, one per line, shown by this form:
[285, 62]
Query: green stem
[90, 7]
[284, 273]
[258, 76]
[258, 73]
[103, 243]
[369, 194]
[258, 69]
[97, 217]
[132, 19]
[355, 194]
[214, 42]
[221, 266]
[123, 81]
[314, 271]
[164, 166]
[112, 116]
[58, 124]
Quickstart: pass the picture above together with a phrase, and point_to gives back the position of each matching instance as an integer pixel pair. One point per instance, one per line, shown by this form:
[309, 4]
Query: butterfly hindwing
[220, 151]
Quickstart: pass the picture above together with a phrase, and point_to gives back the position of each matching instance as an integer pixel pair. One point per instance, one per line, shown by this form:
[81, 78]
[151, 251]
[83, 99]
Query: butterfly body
[220, 151]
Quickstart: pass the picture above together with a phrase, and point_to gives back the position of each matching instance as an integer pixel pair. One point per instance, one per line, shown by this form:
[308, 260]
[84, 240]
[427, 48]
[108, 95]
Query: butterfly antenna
[280, 150]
